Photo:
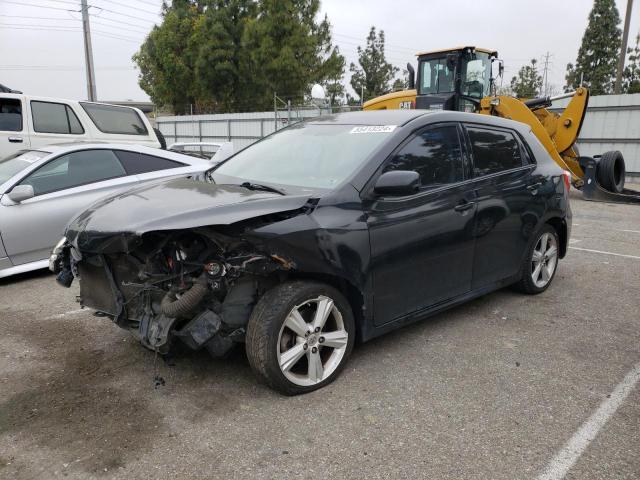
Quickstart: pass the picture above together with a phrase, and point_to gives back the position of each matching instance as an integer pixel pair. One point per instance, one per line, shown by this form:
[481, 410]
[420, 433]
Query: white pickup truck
[29, 122]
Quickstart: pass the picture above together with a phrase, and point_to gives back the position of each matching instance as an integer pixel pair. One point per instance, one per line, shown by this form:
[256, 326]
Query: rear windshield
[113, 119]
[17, 162]
[304, 155]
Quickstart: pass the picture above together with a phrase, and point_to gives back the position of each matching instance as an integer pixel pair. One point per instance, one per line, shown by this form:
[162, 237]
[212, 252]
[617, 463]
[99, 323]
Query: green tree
[528, 82]
[632, 70]
[373, 74]
[166, 57]
[598, 54]
[288, 50]
[223, 83]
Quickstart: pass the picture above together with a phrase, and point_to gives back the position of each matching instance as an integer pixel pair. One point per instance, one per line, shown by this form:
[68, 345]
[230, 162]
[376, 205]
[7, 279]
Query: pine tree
[223, 84]
[166, 58]
[373, 74]
[288, 51]
[632, 70]
[598, 54]
[528, 82]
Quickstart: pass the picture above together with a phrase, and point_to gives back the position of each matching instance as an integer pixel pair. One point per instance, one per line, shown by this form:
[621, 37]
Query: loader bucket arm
[545, 125]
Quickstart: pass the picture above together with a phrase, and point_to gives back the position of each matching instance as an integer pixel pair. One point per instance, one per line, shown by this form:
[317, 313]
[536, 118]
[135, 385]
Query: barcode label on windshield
[374, 129]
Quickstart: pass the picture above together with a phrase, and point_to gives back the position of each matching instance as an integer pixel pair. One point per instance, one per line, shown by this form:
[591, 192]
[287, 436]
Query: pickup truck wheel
[541, 262]
[299, 336]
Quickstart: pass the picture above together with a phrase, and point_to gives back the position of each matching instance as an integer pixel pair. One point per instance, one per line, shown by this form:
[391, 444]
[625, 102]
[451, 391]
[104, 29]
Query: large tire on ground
[540, 263]
[161, 139]
[299, 336]
[611, 171]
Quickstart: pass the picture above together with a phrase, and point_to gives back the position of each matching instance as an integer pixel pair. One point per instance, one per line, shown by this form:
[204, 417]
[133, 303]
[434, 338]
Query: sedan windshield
[17, 162]
[304, 155]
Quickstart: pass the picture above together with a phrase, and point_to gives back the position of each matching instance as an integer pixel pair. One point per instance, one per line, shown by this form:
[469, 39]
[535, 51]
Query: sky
[41, 48]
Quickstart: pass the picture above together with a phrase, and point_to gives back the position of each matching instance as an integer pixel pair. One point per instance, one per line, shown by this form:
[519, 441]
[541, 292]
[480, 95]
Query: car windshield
[304, 155]
[17, 162]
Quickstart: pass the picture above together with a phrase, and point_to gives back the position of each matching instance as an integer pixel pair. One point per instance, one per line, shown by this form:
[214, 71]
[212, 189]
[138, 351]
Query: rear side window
[493, 150]
[135, 163]
[10, 115]
[435, 154]
[114, 119]
[75, 169]
[49, 117]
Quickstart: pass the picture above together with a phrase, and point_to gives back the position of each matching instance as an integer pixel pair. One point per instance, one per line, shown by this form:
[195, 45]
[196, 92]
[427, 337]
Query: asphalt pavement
[505, 387]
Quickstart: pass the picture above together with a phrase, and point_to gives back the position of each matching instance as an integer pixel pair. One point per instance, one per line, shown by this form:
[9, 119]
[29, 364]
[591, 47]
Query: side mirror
[411, 83]
[20, 193]
[398, 182]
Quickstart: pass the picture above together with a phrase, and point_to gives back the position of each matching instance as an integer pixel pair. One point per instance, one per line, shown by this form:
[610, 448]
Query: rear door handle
[15, 140]
[464, 205]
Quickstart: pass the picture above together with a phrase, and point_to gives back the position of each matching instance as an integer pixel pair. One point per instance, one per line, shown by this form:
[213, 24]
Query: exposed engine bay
[197, 287]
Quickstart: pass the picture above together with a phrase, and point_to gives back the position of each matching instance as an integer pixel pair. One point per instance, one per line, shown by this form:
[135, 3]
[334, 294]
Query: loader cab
[454, 79]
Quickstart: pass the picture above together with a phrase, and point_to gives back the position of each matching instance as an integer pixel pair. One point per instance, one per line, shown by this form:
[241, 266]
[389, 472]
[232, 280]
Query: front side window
[10, 115]
[435, 154]
[493, 150]
[436, 76]
[49, 117]
[75, 169]
[114, 119]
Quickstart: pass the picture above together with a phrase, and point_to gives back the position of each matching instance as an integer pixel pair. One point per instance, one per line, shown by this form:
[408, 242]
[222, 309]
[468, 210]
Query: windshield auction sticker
[373, 129]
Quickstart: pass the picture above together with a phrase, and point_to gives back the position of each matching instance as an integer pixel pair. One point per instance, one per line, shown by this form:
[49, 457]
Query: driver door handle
[464, 205]
[15, 140]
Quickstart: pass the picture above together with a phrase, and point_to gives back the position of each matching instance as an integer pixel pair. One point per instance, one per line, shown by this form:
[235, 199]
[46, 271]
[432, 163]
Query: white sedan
[42, 190]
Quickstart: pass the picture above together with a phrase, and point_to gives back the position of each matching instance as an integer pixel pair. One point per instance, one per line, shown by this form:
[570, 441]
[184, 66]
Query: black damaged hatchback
[330, 231]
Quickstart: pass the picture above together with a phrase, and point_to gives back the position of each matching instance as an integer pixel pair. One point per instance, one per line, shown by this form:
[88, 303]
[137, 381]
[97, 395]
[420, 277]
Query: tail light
[567, 181]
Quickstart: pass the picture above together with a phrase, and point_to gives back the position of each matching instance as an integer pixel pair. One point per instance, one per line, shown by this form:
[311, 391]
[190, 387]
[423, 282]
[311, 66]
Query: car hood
[173, 205]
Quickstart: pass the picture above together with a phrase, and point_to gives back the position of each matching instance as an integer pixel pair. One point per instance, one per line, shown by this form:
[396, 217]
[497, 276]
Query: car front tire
[299, 336]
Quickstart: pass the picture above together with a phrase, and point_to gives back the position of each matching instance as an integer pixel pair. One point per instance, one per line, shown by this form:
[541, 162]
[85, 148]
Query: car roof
[371, 117]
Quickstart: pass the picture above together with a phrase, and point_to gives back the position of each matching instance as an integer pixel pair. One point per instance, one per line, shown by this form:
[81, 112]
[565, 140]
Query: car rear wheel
[299, 336]
[540, 263]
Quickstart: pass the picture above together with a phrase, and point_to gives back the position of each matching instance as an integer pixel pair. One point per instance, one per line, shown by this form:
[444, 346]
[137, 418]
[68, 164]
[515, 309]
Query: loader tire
[610, 171]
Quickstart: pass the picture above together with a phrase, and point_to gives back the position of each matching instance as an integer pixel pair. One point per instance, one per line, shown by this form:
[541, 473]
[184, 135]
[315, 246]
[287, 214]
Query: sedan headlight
[55, 255]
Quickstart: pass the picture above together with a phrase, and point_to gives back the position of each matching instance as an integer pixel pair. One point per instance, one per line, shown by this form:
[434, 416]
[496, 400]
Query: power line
[140, 28]
[153, 4]
[114, 2]
[39, 6]
[40, 18]
[123, 14]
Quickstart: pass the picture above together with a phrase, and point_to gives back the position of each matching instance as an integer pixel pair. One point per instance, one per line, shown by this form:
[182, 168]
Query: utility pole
[545, 75]
[623, 48]
[88, 53]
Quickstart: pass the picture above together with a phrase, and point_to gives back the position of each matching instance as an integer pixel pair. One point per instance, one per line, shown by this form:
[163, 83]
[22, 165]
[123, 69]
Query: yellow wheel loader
[463, 79]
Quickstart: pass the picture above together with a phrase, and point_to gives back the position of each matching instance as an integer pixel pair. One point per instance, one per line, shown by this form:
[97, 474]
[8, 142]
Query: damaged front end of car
[195, 286]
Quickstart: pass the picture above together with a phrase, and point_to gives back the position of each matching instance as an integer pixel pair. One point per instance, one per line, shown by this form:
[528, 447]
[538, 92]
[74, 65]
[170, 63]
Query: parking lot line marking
[574, 240]
[631, 231]
[605, 253]
[577, 444]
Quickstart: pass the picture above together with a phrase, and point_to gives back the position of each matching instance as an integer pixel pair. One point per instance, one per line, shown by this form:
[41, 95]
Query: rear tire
[299, 336]
[611, 171]
[541, 262]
